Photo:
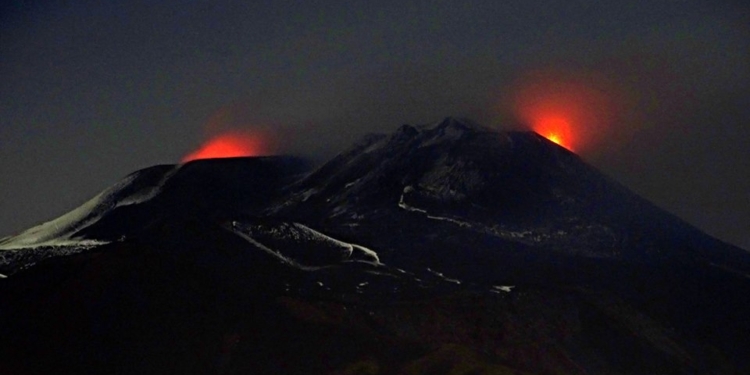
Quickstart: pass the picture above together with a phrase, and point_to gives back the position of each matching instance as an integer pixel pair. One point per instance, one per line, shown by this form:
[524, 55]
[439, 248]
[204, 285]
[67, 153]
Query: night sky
[656, 93]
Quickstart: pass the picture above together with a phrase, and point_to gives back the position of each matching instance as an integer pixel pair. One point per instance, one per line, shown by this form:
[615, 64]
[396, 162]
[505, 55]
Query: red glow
[228, 145]
[556, 129]
[573, 112]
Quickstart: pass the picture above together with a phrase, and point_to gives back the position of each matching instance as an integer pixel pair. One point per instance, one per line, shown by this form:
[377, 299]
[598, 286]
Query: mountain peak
[452, 132]
[399, 240]
[460, 124]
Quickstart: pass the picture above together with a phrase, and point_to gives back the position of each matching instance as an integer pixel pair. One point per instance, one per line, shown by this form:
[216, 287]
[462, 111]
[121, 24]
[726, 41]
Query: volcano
[447, 248]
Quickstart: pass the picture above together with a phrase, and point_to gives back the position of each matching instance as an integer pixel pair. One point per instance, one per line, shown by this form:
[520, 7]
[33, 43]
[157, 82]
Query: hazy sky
[93, 90]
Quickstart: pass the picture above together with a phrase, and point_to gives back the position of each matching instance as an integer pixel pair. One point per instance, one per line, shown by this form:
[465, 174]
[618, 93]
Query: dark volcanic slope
[203, 190]
[449, 248]
[516, 185]
[513, 208]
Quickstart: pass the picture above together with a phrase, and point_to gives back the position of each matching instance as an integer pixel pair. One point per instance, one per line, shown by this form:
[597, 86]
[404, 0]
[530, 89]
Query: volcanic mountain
[448, 248]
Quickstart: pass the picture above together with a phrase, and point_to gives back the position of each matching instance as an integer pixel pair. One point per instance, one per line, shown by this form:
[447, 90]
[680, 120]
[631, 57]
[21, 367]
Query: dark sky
[93, 90]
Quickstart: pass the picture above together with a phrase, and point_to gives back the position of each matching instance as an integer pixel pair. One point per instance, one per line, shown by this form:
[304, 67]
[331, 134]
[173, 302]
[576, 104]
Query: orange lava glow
[557, 130]
[570, 111]
[228, 145]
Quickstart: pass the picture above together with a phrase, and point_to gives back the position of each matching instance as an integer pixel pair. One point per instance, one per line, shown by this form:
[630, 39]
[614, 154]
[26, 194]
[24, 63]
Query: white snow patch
[352, 183]
[55, 243]
[353, 248]
[299, 232]
[57, 232]
[275, 253]
[406, 207]
[367, 252]
[23, 258]
[60, 231]
[454, 221]
[442, 276]
[308, 193]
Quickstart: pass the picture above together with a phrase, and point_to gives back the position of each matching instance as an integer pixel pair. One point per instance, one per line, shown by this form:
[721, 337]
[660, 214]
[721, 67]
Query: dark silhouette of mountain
[444, 249]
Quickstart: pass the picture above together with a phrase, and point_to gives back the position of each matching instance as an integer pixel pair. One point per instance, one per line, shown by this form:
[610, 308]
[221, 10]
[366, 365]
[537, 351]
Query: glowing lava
[228, 145]
[556, 129]
[574, 112]
[554, 138]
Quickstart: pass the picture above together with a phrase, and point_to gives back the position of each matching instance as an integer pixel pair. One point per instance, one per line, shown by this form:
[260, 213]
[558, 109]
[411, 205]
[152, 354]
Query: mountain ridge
[501, 248]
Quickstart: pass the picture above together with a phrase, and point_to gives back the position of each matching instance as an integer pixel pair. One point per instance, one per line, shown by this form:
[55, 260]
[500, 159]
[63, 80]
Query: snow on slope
[299, 244]
[136, 188]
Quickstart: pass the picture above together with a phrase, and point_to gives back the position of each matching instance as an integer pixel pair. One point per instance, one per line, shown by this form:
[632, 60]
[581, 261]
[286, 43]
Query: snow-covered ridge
[443, 277]
[136, 188]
